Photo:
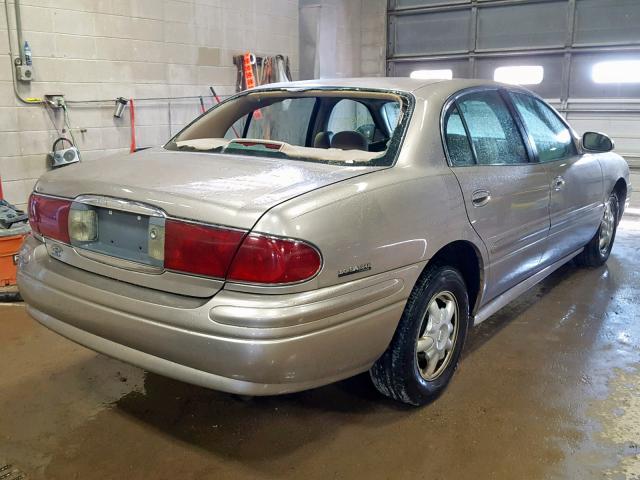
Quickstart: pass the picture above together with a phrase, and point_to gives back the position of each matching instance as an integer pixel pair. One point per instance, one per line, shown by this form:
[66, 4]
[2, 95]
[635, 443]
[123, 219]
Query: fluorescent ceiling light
[620, 71]
[519, 75]
[445, 74]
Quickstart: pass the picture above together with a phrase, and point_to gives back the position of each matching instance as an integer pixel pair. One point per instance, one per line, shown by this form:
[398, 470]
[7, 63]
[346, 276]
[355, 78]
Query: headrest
[349, 140]
[322, 140]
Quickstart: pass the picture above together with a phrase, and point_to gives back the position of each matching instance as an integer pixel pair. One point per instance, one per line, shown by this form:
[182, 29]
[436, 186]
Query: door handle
[558, 183]
[480, 198]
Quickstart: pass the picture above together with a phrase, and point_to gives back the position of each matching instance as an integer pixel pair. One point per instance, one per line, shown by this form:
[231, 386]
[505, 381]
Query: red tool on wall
[254, 71]
[132, 118]
[215, 95]
[249, 60]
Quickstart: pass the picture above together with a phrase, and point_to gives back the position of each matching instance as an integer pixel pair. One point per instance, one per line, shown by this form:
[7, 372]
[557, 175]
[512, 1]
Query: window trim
[529, 144]
[576, 148]
[313, 122]
[245, 130]
[452, 102]
[408, 107]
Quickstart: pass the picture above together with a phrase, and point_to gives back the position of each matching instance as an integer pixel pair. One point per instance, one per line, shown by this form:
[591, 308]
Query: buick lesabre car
[302, 233]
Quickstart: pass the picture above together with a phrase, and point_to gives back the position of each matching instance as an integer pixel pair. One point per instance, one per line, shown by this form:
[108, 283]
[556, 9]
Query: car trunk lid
[231, 190]
[226, 190]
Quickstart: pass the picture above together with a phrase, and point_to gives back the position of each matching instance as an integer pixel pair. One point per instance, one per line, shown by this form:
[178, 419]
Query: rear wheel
[424, 352]
[597, 251]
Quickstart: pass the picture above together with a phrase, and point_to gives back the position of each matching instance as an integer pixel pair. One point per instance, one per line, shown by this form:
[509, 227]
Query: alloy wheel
[607, 227]
[438, 335]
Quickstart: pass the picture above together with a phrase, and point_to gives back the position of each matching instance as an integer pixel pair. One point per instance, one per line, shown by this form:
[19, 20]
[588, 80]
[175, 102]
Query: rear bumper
[235, 342]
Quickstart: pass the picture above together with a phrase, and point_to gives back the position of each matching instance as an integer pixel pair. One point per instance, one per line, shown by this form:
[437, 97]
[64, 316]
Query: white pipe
[16, 6]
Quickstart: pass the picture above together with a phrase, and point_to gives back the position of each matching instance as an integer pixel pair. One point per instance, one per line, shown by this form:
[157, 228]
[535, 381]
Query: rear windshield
[351, 127]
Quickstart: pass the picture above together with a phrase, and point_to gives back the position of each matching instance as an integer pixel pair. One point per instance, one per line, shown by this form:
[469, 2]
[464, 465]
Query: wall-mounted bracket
[55, 100]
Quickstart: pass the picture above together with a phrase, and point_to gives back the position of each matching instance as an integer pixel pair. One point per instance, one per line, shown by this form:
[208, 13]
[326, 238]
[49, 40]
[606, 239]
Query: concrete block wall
[348, 27]
[103, 49]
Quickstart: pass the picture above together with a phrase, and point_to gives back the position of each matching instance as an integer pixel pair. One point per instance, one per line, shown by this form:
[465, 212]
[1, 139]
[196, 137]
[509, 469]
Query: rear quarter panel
[389, 218]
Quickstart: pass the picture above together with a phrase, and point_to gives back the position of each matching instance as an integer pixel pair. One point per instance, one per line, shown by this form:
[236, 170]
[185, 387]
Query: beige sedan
[302, 233]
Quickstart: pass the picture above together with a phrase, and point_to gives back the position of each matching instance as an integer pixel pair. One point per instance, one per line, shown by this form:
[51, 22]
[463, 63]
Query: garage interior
[548, 387]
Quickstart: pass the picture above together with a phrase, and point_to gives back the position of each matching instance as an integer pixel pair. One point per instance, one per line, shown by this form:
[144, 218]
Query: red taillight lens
[203, 250]
[49, 217]
[199, 249]
[262, 259]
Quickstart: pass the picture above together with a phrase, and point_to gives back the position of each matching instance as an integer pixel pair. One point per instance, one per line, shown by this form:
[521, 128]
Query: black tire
[396, 373]
[592, 255]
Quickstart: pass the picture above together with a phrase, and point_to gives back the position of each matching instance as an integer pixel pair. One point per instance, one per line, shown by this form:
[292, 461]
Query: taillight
[49, 217]
[199, 249]
[190, 247]
[208, 250]
[272, 260]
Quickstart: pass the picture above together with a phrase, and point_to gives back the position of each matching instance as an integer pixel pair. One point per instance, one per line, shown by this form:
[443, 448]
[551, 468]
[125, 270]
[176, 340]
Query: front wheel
[597, 251]
[423, 355]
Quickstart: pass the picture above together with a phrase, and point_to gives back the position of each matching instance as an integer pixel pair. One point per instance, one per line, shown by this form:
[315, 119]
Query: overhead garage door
[581, 55]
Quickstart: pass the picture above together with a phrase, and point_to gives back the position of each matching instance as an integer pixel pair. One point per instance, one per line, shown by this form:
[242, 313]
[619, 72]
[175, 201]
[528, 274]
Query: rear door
[575, 180]
[506, 195]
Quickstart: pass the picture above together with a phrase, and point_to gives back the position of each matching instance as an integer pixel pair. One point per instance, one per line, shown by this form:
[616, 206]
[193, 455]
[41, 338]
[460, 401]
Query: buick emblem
[56, 251]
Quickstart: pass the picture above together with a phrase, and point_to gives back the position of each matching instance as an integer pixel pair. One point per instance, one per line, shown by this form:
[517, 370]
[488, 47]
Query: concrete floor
[548, 388]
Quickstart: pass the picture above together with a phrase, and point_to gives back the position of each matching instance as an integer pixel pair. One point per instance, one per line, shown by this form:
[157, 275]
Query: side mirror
[596, 142]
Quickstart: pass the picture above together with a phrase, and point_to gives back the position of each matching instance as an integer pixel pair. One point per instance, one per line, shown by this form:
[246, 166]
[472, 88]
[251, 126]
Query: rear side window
[550, 135]
[493, 131]
[458, 146]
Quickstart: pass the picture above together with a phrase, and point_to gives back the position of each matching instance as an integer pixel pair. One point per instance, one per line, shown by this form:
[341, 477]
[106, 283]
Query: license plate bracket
[123, 235]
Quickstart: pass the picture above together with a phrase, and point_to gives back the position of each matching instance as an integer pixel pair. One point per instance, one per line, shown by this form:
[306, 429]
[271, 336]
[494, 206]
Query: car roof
[404, 84]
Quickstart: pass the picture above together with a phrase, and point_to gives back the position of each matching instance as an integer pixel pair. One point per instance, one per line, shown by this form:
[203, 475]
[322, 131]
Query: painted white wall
[622, 127]
[103, 49]
[342, 38]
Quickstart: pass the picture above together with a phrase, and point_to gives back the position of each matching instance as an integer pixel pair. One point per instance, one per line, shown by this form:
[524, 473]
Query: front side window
[550, 135]
[493, 131]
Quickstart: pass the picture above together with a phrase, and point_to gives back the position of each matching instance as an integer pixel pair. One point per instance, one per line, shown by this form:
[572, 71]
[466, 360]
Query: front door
[506, 196]
[576, 180]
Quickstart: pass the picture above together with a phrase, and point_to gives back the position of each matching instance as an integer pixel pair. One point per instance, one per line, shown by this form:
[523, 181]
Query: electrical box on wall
[24, 73]
[24, 64]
